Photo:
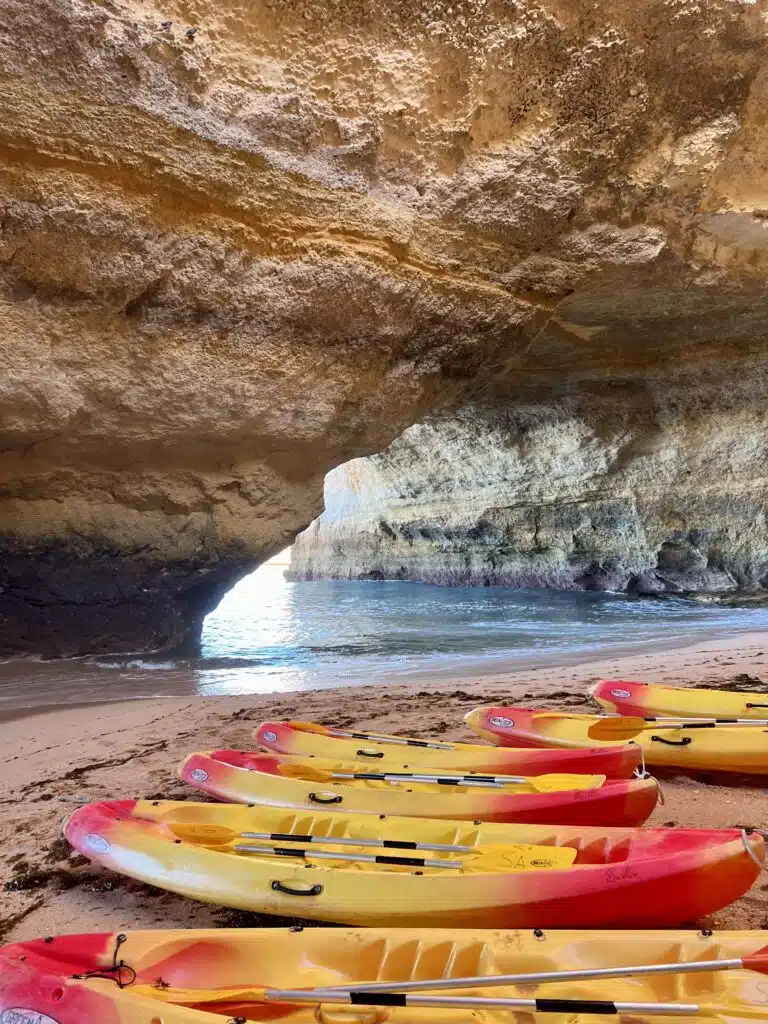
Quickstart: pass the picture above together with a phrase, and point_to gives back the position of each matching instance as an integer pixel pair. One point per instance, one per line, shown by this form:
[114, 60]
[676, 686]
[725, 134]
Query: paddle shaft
[487, 782]
[364, 858]
[390, 844]
[371, 737]
[493, 980]
[392, 998]
[705, 723]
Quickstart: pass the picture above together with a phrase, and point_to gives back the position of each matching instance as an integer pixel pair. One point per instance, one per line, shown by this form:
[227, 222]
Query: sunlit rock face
[242, 243]
[628, 488]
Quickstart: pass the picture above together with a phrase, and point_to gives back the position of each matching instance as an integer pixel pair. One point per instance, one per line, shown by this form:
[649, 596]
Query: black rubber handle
[314, 890]
[370, 753]
[673, 743]
[329, 798]
[757, 705]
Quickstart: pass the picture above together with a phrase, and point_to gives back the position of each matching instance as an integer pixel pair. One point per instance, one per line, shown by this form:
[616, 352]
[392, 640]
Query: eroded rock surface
[631, 489]
[243, 242]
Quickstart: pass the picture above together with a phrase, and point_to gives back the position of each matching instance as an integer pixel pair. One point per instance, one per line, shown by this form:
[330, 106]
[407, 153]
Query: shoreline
[623, 658]
[57, 758]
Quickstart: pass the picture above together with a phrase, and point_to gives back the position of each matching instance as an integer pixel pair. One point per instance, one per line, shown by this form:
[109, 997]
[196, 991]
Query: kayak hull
[626, 877]
[742, 749]
[621, 697]
[243, 777]
[36, 976]
[290, 738]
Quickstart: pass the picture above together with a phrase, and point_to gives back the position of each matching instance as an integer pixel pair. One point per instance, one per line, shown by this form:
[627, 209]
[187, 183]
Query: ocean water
[269, 635]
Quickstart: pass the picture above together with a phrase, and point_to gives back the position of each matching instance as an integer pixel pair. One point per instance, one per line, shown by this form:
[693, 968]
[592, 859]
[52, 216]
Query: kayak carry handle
[673, 743]
[757, 705]
[313, 890]
[325, 798]
[370, 753]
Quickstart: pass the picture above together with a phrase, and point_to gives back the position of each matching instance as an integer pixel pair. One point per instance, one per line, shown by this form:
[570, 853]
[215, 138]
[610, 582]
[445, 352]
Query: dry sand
[56, 758]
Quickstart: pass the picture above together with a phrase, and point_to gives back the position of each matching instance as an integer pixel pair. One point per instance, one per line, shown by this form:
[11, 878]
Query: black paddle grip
[575, 1006]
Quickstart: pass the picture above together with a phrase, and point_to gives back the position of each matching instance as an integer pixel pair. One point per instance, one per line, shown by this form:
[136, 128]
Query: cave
[234, 258]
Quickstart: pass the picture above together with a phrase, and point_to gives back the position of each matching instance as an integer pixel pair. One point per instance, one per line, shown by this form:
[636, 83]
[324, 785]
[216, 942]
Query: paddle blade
[526, 858]
[622, 727]
[757, 961]
[558, 783]
[198, 996]
[305, 772]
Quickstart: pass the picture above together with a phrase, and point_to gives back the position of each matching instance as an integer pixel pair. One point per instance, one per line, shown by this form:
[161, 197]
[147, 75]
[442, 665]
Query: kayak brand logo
[620, 693]
[96, 843]
[503, 723]
[19, 1016]
[198, 774]
[270, 737]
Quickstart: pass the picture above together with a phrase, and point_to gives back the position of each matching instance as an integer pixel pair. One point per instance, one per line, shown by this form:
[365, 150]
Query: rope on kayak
[113, 973]
[641, 772]
[662, 798]
[748, 847]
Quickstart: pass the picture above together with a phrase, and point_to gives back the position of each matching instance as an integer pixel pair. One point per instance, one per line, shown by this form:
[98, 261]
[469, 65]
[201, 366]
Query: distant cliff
[642, 488]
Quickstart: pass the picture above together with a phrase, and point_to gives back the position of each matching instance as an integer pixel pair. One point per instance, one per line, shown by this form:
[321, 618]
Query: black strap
[370, 753]
[673, 743]
[757, 705]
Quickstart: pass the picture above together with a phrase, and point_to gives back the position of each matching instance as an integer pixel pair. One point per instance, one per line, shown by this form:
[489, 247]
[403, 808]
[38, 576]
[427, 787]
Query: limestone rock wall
[244, 242]
[634, 490]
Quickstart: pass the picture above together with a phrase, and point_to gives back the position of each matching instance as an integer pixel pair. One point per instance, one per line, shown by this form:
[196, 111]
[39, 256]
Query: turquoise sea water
[271, 635]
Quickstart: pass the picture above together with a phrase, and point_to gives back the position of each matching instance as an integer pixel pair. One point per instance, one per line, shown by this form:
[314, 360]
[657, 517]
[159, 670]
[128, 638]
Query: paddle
[526, 857]
[220, 834]
[623, 727]
[601, 1006]
[540, 783]
[372, 737]
[755, 962]
[357, 858]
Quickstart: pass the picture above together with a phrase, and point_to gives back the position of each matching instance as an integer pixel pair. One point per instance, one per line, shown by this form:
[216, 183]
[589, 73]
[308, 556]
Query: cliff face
[638, 489]
[241, 243]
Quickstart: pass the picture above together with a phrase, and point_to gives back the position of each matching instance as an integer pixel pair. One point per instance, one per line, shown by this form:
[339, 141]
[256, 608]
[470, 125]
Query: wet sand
[57, 758]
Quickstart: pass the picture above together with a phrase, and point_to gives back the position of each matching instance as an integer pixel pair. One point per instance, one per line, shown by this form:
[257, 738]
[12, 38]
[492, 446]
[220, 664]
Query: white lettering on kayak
[198, 774]
[18, 1016]
[96, 843]
[503, 723]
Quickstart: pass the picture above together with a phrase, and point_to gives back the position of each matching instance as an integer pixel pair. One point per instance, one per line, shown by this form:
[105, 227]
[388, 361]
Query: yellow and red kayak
[308, 739]
[724, 748]
[280, 781]
[628, 698]
[220, 975]
[409, 871]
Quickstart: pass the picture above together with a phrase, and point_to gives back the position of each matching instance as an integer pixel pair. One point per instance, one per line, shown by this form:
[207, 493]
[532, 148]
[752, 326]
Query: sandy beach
[56, 758]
